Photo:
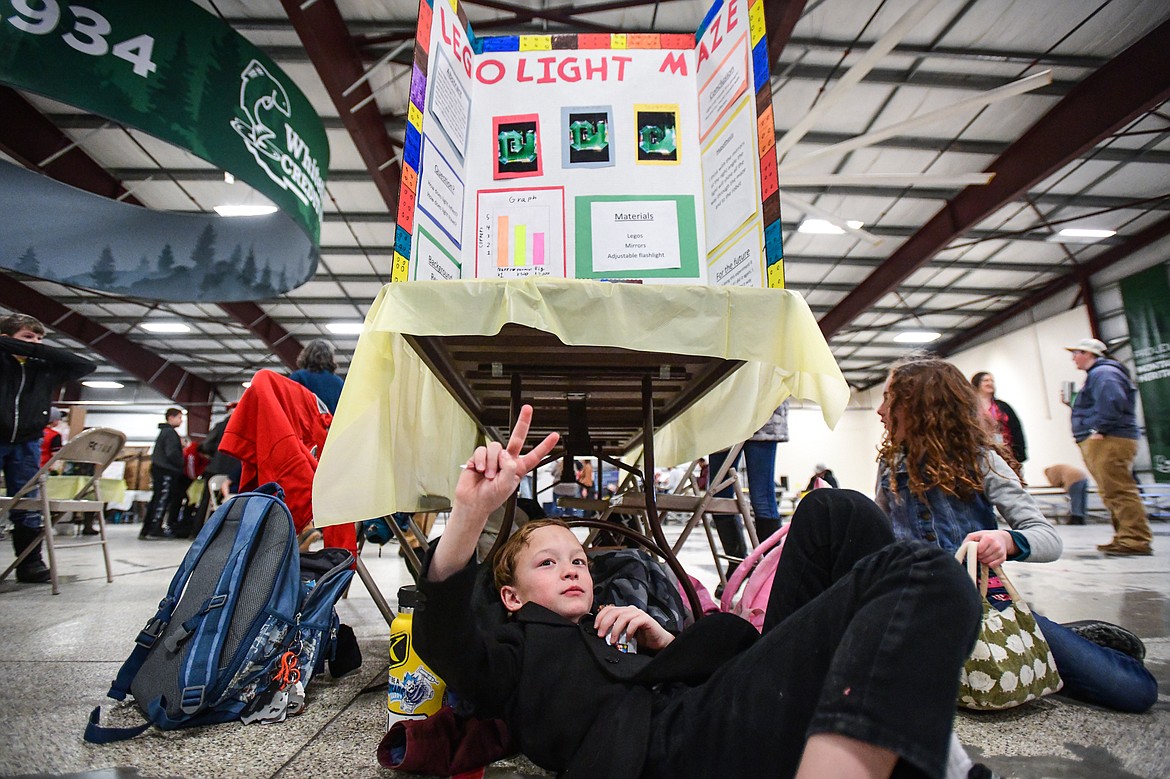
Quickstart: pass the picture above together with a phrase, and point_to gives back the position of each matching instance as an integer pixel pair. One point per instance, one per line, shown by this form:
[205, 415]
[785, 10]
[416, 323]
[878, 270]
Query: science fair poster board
[640, 157]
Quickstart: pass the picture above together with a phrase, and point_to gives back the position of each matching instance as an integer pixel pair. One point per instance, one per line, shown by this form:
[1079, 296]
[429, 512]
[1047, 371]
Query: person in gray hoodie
[1104, 425]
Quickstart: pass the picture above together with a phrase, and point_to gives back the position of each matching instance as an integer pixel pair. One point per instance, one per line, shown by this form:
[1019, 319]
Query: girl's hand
[995, 546]
[631, 620]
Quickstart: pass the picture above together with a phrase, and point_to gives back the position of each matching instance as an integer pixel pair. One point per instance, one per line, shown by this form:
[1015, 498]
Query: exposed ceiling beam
[280, 341]
[336, 59]
[363, 29]
[30, 137]
[1106, 259]
[396, 123]
[1135, 81]
[780, 18]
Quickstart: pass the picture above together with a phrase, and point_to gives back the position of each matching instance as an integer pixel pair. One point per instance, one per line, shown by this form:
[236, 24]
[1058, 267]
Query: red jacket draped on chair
[277, 432]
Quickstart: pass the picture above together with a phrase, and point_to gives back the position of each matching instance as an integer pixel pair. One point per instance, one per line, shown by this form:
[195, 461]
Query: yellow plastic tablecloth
[399, 437]
[66, 487]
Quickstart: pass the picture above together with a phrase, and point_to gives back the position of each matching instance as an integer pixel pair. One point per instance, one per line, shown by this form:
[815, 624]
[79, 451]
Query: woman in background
[317, 371]
[941, 478]
[1005, 425]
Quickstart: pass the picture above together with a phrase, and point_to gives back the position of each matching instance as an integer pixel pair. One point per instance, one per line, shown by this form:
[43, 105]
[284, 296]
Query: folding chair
[98, 447]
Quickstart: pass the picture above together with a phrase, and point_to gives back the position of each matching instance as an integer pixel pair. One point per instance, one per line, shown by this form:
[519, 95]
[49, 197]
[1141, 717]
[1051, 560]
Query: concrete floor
[59, 654]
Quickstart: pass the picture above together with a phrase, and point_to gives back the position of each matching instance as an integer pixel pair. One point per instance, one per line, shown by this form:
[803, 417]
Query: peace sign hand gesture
[490, 476]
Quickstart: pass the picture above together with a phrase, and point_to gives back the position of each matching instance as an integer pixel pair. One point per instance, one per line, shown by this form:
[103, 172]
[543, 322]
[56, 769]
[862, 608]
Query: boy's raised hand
[489, 476]
[493, 472]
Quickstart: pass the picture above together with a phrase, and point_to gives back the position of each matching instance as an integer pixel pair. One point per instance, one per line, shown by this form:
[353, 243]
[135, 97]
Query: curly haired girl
[941, 479]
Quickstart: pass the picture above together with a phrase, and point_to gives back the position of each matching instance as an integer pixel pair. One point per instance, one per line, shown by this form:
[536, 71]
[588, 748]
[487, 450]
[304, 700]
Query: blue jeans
[20, 462]
[1096, 674]
[1078, 497]
[761, 473]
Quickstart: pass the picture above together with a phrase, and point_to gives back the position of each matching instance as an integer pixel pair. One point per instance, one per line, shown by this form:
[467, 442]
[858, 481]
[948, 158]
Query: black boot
[33, 570]
[766, 526]
[1075, 520]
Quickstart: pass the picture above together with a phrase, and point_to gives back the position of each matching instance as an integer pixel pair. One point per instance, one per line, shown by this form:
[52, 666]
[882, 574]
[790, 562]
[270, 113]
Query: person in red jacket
[54, 436]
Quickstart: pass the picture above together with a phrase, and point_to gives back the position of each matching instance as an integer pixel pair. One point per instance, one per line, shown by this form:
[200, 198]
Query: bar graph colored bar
[519, 244]
[502, 241]
[538, 248]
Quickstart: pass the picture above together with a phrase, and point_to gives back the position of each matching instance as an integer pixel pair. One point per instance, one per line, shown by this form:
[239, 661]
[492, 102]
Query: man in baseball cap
[1089, 346]
[1104, 425]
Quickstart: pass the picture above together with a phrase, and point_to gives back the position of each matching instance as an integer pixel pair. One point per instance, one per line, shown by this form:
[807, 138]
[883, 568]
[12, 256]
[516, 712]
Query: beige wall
[1029, 366]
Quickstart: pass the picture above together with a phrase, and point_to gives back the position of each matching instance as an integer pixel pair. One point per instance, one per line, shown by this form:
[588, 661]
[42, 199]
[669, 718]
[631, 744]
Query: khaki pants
[1110, 460]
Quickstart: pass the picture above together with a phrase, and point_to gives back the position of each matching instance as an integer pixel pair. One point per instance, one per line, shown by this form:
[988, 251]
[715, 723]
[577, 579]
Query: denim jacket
[947, 519]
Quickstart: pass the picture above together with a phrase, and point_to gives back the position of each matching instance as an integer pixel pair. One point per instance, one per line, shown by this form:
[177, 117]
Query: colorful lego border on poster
[725, 69]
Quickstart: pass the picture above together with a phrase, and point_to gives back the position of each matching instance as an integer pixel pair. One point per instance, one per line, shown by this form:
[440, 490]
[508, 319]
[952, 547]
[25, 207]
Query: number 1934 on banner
[81, 28]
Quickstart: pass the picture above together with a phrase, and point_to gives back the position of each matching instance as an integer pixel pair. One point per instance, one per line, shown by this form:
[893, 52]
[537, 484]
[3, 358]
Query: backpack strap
[748, 565]
[209, 626]
[96, 733]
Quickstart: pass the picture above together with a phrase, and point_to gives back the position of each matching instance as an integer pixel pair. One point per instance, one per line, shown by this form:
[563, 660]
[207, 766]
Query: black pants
[166, 496]
[864, 637]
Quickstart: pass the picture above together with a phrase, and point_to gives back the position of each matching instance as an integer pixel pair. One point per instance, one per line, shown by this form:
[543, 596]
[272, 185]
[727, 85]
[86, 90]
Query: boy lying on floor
[855, 674]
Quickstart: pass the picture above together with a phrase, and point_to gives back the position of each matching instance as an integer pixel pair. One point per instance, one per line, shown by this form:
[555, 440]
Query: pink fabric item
[758, 569]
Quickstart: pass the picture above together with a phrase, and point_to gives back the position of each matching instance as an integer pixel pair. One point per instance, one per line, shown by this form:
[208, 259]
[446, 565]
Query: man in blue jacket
[1105, 427]
[30, 373]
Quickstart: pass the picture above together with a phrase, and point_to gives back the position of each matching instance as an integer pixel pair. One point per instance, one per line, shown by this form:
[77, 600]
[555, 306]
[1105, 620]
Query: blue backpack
[242, 628]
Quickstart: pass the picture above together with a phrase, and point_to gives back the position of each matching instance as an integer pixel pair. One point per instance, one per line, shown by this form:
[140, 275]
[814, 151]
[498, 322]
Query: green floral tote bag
[1011, 663]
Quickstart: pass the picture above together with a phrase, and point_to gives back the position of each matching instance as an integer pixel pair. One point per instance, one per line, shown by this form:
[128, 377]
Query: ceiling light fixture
[165, 327]
[243, 210]
[345, 328]
[97, 384]
[1081, 235]
[825, 227]
[916, 337]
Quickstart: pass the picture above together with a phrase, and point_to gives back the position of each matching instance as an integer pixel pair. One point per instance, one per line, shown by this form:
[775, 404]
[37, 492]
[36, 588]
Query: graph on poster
[520, 232]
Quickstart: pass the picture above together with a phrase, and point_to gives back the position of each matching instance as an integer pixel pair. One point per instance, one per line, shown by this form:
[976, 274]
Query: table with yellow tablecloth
[67, 487]
[403, 428]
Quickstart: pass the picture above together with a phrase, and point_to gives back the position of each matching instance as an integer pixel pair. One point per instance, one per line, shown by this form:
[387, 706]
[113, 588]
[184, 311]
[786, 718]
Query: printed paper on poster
[450, 103]
[635, 235]
[520, 232]
[730, 192]
[441, 196]
[432, 261]
[723, 88]
[739, 264]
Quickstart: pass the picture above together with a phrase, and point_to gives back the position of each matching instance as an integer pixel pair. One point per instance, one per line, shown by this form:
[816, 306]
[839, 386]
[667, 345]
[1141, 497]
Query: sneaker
[1107, 634]
[1117, 550]
[980, 771]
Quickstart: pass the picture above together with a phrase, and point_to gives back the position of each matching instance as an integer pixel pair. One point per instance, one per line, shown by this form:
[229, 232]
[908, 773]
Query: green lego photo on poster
[657, 134]
[587, 137]
[517, 151]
